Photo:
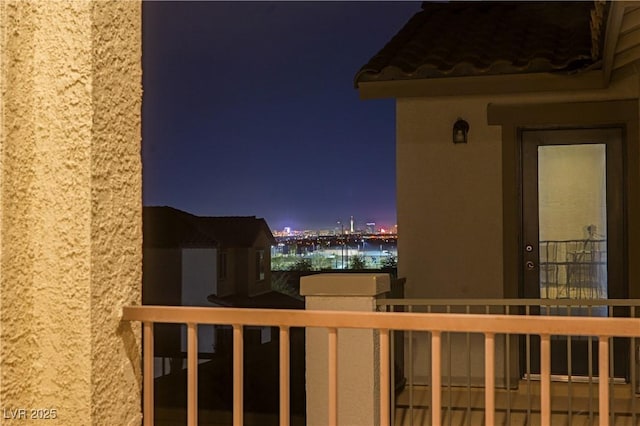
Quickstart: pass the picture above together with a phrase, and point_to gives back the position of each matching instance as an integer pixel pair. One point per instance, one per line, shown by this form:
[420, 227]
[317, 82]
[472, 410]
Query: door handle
[530, 265]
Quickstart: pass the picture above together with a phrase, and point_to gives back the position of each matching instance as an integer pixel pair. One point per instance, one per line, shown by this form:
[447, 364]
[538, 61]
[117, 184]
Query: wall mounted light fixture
[460, 131]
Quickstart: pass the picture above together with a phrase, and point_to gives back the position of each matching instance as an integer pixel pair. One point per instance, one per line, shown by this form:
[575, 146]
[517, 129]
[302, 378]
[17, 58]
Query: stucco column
[358, 361]
[70, 211]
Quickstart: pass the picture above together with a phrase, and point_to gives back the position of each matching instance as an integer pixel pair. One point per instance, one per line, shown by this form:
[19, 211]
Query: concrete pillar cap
[345, 284]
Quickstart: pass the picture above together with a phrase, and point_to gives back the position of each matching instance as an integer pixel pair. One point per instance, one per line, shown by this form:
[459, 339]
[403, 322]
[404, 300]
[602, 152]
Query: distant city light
[368, 229]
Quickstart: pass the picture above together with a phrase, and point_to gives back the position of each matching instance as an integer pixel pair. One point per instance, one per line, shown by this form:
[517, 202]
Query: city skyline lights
[369, 228]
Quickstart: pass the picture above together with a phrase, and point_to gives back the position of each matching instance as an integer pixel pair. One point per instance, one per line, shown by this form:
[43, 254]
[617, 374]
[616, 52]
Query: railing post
[385, 389]
[285, 377]
[332, 376]
[147, 374]
[358, 357]
[603, 380]
[545, 379]
[489, 378]
[192, 374]
[436, 378]
[238, 375]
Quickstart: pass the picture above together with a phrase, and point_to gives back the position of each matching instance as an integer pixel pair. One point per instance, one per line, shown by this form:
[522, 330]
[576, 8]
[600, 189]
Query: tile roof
[269, 300]
[235, 231]
[165, 227]
[451, 39]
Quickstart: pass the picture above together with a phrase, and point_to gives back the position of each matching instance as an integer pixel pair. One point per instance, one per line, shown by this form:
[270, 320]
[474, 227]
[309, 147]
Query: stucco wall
[70, 209]
[449, 200]
[449, 196]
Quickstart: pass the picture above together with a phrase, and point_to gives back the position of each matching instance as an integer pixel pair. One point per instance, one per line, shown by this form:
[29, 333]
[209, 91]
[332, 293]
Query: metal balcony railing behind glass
[573, 269]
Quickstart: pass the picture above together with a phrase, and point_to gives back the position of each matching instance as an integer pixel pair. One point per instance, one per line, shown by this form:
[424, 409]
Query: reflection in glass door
[572, 233]
[572, 208]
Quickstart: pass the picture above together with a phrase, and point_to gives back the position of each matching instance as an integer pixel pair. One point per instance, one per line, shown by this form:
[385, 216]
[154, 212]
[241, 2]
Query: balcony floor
[459, 398]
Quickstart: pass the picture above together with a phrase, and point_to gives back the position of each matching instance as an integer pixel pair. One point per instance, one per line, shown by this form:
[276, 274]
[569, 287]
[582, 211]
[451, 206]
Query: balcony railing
[518, 362]
[488, 325]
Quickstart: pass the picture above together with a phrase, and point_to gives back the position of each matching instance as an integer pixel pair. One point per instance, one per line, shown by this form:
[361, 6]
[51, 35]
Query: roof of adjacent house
[269, 300]
[452, 39]
[166, 227]
[236, 231]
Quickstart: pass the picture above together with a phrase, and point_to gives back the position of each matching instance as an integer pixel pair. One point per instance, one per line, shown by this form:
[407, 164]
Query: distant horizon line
[334, 228]
[281, 224]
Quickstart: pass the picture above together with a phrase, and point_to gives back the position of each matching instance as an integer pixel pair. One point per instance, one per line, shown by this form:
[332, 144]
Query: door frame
[512, 118]
[613, 138]
[565, 363]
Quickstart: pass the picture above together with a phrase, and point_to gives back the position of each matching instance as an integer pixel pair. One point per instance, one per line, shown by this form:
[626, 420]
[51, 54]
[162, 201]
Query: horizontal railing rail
[488, 325]
[507, 302]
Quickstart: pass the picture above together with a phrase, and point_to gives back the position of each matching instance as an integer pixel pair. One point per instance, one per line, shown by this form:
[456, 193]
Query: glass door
[572, 238]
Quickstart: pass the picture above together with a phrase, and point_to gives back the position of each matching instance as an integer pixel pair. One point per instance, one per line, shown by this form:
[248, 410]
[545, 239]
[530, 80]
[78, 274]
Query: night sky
[249, 109]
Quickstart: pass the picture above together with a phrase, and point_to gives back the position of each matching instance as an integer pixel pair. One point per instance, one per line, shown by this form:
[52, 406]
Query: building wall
[450, 196]
[161, 276]
[243, 269]
[457, 203]
[199, 275]
[70, 209]
[627, 50]
[449, 200]
[260, 286]
[228, 285]
[161, 285]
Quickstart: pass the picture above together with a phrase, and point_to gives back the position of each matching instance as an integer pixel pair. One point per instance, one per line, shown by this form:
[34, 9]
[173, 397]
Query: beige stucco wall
[70, 209]
[449, 197]
[449, 200]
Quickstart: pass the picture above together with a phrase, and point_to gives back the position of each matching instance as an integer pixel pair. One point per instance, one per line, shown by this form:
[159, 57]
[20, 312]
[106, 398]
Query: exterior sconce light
[460, 131]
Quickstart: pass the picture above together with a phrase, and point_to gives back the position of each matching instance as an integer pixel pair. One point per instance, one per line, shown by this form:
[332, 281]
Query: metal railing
[573, 269]
[487, 325]
[518, 361]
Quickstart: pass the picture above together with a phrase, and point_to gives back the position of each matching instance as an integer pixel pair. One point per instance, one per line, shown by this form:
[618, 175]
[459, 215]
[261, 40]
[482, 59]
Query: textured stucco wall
[449, 196]
[70, 235]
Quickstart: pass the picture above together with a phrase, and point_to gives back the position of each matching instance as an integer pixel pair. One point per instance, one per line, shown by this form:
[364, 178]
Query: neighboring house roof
[166, 227]
[236, 231]
[452, 39]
